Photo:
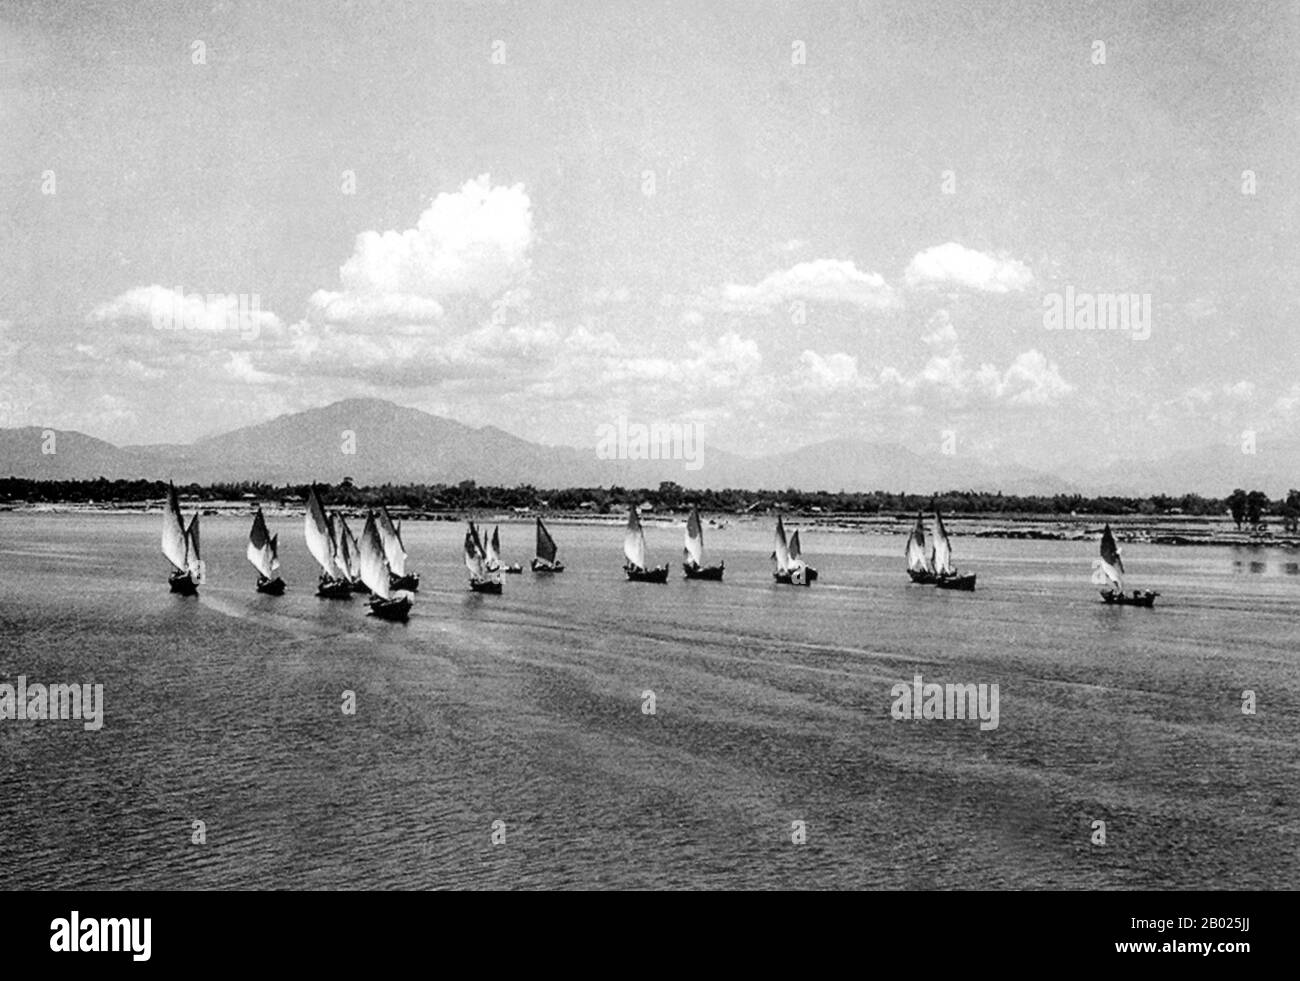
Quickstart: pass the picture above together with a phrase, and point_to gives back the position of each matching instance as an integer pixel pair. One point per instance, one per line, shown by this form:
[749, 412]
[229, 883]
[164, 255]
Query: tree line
[1246, 508]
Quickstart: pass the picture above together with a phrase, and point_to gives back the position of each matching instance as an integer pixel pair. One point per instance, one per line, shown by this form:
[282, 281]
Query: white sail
[391, 537]
[349, 557]
[942, 548]
[262, 551]
[1109, 569]
[781, 551]
[493, 549]
[694, 550]
[193, 559]
[474, 558]
[917, 559]
[634, 540]
[373, 567]
[173, 532]
[319, 539]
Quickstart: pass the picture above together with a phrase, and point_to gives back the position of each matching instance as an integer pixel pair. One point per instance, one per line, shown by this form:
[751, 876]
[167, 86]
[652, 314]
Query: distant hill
[389, 443]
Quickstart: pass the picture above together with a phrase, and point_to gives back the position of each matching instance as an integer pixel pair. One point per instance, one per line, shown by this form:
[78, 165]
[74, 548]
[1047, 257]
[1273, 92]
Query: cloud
[822, 280]
[374, 309]
[1031, 380]
[160, 308]
[834, 371]
[472, 241]
[956, 265]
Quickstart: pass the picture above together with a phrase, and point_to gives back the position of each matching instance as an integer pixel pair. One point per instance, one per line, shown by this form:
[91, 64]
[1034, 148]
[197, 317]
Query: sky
[780, 222]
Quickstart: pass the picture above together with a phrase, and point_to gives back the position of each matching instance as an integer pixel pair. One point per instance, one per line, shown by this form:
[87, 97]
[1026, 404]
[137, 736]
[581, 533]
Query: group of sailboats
[934, 568]
[180, 543]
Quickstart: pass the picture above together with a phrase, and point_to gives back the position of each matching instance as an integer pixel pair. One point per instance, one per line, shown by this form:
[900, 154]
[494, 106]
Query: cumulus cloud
[822, 280]
[475, 240]
[952, 264]
[1030, 380]
[834, 371]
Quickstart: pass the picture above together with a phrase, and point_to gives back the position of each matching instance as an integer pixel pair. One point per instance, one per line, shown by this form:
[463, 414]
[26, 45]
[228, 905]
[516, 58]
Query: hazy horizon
[779, 224]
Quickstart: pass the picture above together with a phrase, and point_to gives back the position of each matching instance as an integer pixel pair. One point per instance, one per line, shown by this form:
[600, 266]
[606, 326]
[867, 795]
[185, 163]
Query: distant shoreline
[1129, 528]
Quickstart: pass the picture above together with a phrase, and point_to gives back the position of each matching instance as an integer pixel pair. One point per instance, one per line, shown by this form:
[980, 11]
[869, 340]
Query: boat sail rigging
[634, 551]
[321, 543]
[1109, 569]
[377, 576]
[484, 577]
[920, 565]
[493, 549]
[942, 554]
[693, 551]
[781, 550]
[348, 554]
[391, 537]
[790, 567]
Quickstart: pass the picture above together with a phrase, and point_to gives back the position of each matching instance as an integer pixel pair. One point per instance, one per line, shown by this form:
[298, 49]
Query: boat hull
[359, 587]
[965, 582]
[182, 583]
[923, 578]
[409, 582]
[397, 608]
[541, 565]
[514, 569]
[713, 573]
[658, 575]
[330, 588]
[271, 587]
[492, 586]
[799, 577]
[1140, 597]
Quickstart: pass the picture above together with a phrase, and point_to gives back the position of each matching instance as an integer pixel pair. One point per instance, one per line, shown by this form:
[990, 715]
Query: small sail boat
[494, 554]
[385, 602]
[390, 535]
[1108, 571]
[334, 582]
[634, 549]
[546, 560]
[789, 567]
[483, 577]
[348, 553]
[181, 546]
[264, 553]
[946, 576]
[693, 553]
[920, 564]
[801, 573]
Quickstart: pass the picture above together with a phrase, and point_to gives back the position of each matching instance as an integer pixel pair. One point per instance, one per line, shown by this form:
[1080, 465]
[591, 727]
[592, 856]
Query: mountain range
[375, 442]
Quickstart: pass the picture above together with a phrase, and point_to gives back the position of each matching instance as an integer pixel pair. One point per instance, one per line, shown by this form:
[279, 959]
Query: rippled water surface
[772, 705]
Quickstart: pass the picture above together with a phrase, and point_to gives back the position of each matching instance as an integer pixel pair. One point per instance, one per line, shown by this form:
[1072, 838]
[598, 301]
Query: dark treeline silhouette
[1245, 508]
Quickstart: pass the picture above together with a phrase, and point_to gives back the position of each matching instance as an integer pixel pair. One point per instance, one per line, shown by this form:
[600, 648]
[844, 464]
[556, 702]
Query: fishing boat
[693, 554]
[180, 544]
[920, 564]
[390, 535]
[483, 576]
[946, 575]
[1108, 571]
[493, 546]
[634, 550]
[789, 568]
[334, 582]
[264, 553]
[545, 561]
[348, 553]
[385, 602]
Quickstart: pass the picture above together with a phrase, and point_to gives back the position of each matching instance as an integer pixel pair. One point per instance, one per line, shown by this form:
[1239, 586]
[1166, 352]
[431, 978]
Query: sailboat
[546, 560]
[946, 576]
[181, 546]
[790, 568]
[483, 577]
[264, 553]
[348, 553]
[920, 564]
[634, 549]
[693, 553]
[390, 535]
[385, 602]
[1108, 571]
[334, 582]
[493, 546]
